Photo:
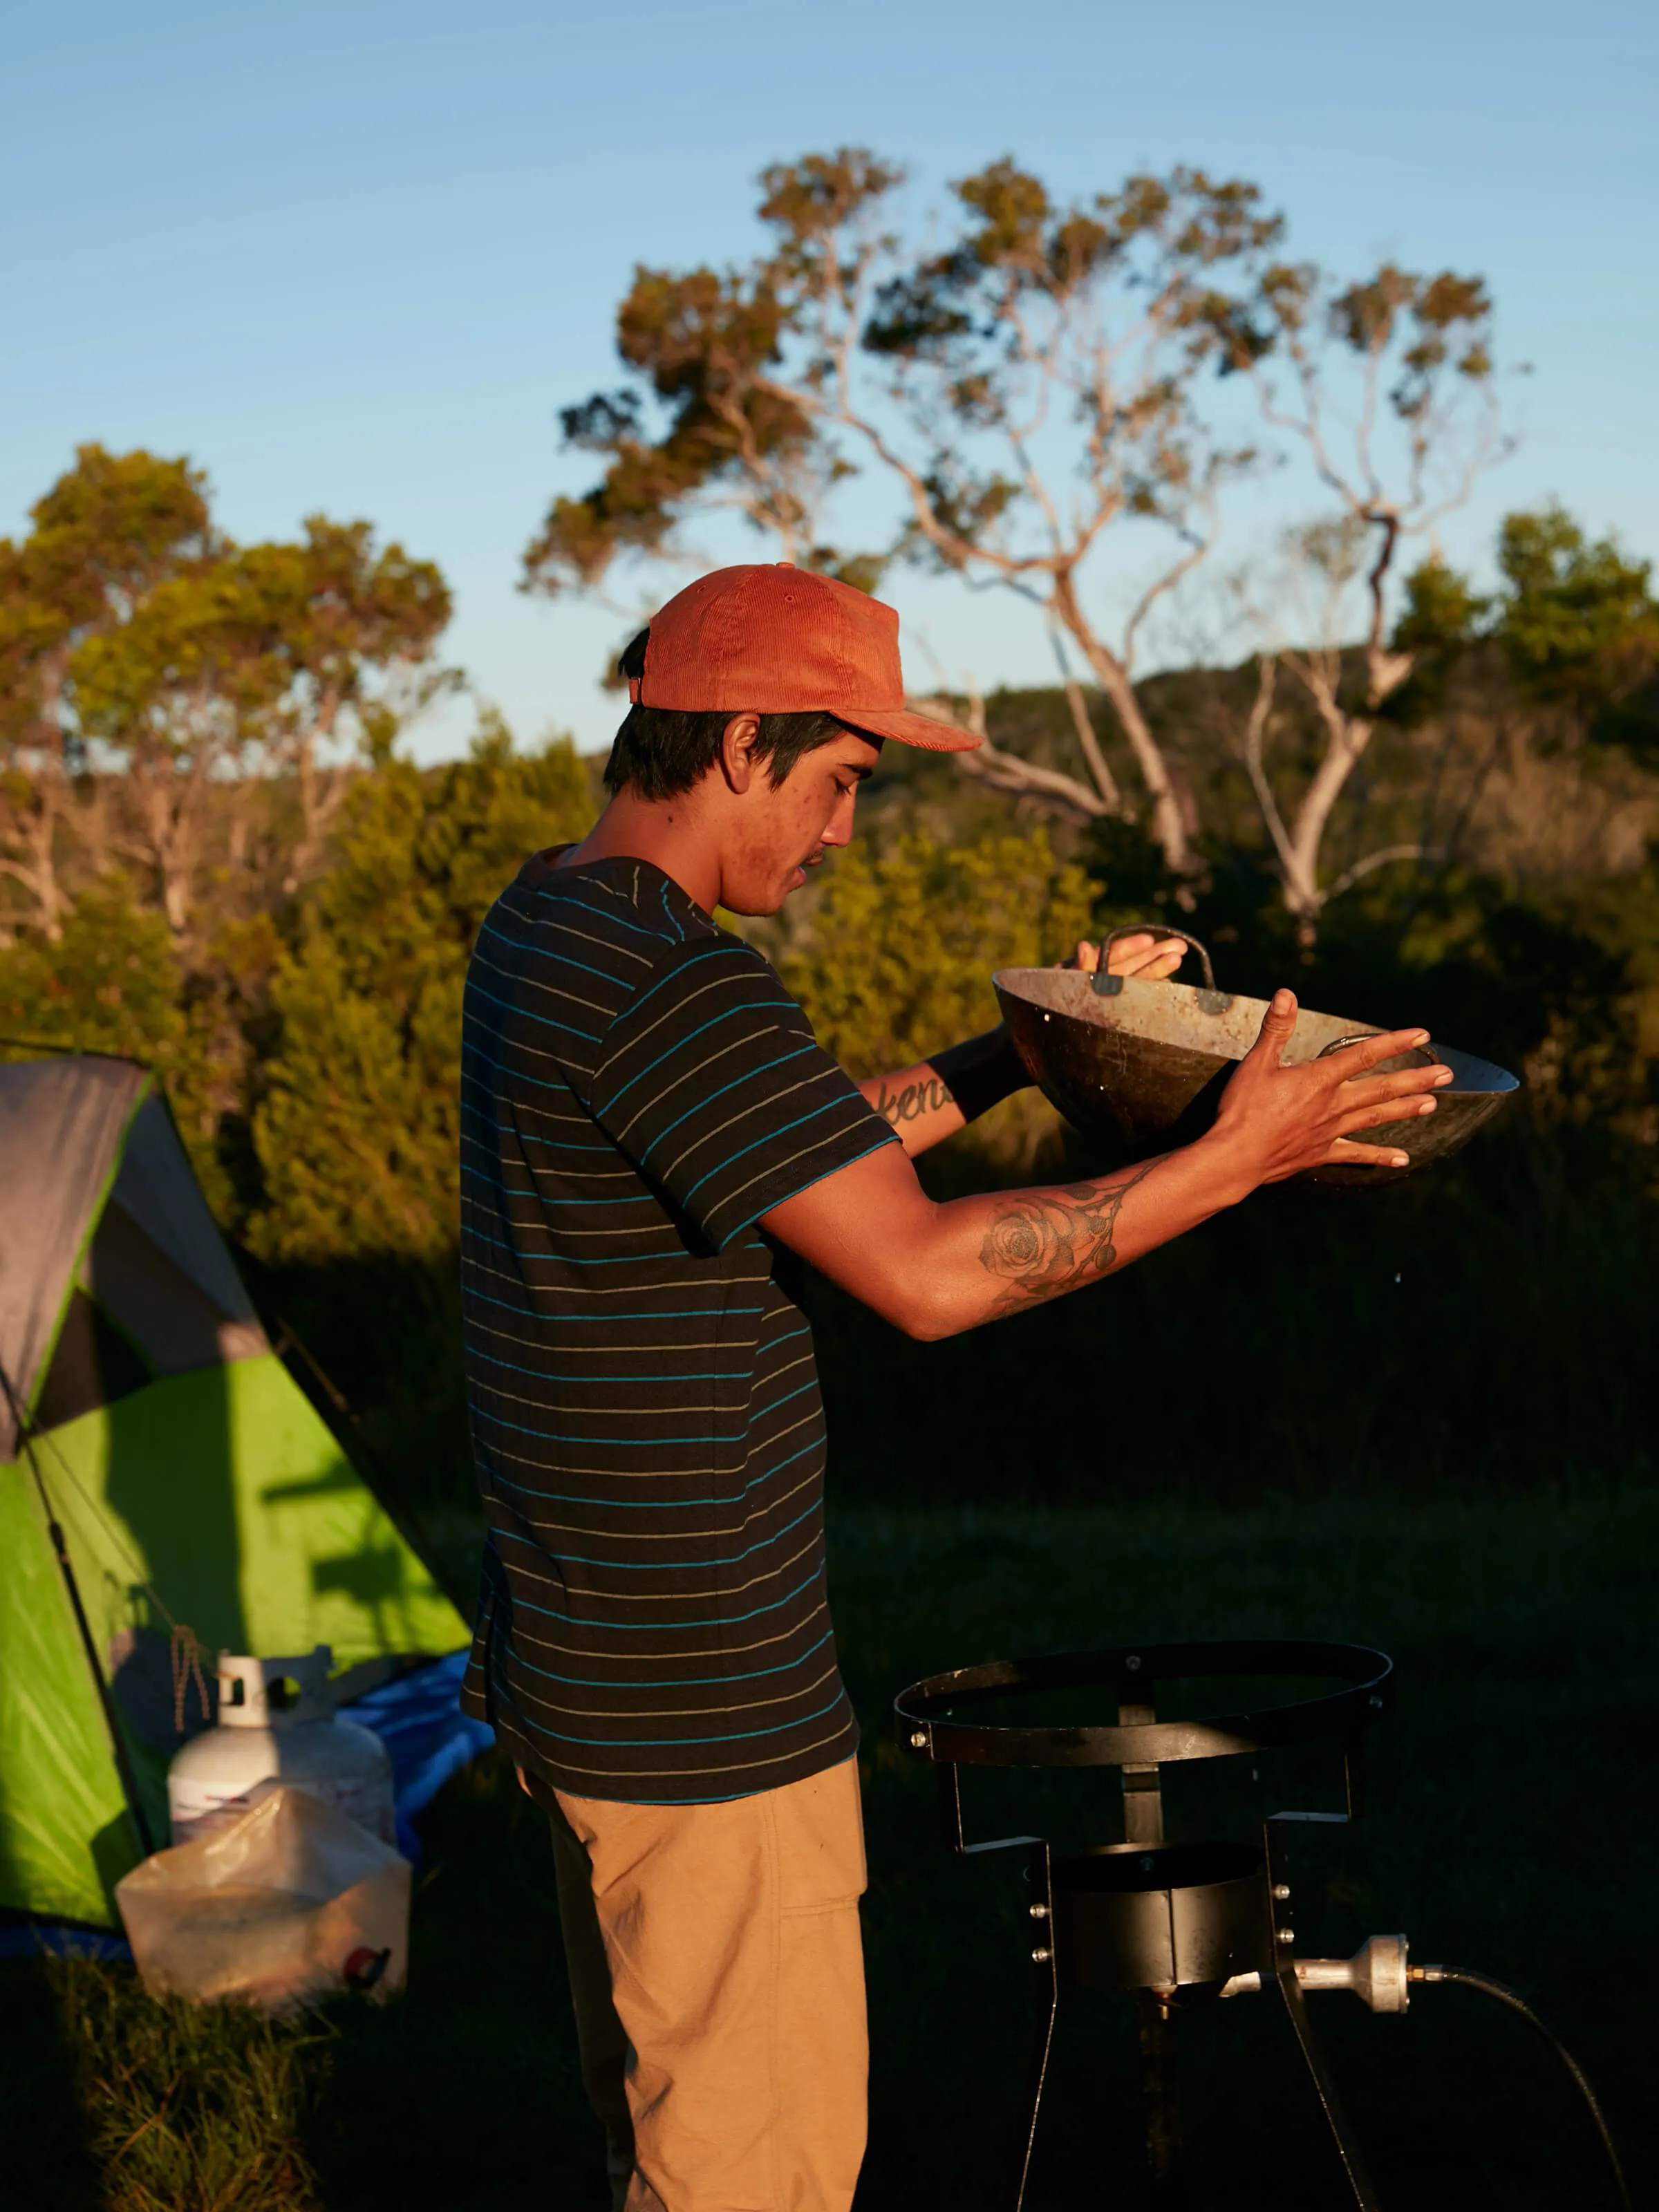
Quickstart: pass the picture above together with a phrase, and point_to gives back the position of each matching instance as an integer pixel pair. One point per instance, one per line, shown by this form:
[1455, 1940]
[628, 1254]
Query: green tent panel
[183, 1464]
[65, 1832]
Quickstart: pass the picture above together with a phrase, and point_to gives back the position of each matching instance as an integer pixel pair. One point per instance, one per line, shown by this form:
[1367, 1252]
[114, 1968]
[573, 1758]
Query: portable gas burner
[1173, 1925]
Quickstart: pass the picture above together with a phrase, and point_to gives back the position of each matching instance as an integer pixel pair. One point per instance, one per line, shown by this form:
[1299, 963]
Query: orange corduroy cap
[781, 641]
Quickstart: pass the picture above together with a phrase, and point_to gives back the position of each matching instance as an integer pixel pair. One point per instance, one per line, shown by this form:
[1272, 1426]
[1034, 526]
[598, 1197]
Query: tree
[703, 346]
[1442, 611]
[110, 531]
[350, 628]
[1414, 352]
[246, 665]
[157, 680]
[1025, 388]
[170, 698]
[1578, 621]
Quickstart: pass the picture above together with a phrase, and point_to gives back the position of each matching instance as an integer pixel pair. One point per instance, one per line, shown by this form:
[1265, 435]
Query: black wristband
[980, 1073]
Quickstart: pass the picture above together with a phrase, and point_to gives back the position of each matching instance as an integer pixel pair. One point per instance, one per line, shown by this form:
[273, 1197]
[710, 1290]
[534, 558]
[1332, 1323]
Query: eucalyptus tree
[1026, 384]
[158, 681]
[351, 629]
[237, 672]
[1387, 387]
[113, 529]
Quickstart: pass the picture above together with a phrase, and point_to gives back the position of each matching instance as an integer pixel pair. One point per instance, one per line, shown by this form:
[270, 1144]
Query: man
[652, 1140]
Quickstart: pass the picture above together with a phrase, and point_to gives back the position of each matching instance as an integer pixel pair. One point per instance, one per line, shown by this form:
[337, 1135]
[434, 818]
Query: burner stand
[1169, 1923]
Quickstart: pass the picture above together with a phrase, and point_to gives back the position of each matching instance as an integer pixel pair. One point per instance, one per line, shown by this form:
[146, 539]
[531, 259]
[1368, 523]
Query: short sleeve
[713, 1083]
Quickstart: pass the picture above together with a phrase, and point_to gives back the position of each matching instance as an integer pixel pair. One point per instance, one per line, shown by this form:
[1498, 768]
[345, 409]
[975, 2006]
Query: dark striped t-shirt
[638, 1088]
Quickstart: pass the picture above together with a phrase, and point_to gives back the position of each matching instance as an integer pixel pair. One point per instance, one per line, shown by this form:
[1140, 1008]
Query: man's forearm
[934, 1270]
[932, 1100]
[995, 1255]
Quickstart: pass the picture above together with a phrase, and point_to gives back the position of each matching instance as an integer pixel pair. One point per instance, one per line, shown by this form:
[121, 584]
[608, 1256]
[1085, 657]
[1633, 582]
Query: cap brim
[908, 729]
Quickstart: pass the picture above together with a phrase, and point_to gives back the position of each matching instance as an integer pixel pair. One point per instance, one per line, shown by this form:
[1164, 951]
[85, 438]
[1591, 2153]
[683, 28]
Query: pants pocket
[820, 1840]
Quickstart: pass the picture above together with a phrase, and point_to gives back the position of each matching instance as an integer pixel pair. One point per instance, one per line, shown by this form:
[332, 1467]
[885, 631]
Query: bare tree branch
[1054, 793]
[1383, 859]
[1099, 767]
[1255, 733]
[1392, 324]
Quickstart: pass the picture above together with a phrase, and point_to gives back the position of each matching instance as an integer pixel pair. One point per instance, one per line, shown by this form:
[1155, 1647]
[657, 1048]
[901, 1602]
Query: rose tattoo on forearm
[1046, 1242]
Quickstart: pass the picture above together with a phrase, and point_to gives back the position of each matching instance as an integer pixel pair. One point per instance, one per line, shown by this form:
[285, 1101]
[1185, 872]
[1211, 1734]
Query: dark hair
[660, 752]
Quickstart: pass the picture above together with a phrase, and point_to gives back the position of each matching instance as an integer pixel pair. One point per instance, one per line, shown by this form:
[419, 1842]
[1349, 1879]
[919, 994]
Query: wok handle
[1160, 929]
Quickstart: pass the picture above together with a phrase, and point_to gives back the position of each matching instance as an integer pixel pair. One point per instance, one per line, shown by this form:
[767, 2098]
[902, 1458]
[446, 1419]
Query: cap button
[786, 564]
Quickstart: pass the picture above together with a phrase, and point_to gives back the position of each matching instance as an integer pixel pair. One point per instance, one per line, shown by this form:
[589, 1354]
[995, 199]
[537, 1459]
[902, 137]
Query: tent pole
[55, 1529]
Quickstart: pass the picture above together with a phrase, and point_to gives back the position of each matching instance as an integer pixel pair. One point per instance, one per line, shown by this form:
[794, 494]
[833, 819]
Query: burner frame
[1133, 1916]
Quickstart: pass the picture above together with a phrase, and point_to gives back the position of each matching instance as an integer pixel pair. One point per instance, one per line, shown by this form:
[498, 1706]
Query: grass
[1511, 1828]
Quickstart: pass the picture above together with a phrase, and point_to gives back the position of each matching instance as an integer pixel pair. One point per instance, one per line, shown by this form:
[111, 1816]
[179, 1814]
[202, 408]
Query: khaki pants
[718, 1978]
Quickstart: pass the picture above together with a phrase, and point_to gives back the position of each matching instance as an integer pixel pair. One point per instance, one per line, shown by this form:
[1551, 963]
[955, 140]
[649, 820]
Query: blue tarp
[33, 1939]
[419, 1719]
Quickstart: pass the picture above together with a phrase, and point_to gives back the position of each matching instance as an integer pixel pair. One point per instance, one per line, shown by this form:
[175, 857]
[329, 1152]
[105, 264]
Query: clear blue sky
[354, 255]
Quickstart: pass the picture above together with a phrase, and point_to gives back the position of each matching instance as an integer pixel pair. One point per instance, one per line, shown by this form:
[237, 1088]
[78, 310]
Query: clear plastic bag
[292, 1901]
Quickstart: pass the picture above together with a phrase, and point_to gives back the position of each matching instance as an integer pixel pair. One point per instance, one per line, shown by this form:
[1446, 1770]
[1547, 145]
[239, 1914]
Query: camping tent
[189, 1476]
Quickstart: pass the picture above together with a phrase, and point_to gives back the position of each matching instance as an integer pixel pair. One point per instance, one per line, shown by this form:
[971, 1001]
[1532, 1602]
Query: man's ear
[738, 763]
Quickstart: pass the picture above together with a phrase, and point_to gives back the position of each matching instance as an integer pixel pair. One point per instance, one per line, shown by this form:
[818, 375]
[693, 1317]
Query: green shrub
[356, 1132]
[902, 947]
[115, 981]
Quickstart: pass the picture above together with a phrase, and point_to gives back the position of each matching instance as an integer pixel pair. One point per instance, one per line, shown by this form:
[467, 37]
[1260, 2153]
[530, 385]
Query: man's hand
[1279, 1121]
[933, 1270]
[1153, 959]
[932, 1100]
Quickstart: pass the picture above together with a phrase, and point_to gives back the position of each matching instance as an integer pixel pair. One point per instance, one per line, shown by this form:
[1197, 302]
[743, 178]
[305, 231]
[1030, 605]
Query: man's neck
[665, 833]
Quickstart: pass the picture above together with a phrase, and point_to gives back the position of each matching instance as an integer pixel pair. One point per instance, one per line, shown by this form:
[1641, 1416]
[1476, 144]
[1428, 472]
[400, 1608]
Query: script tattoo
[1054, 1241]
[914, 1101]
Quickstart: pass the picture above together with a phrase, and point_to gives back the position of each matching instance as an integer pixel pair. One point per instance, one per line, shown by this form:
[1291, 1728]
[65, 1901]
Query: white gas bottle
[278, 1725]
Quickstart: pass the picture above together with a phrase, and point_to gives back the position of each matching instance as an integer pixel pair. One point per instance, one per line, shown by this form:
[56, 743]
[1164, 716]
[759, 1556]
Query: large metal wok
[1138, 1067]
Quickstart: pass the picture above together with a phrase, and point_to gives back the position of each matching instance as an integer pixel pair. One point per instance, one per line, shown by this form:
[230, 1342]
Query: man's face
[781, 833]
